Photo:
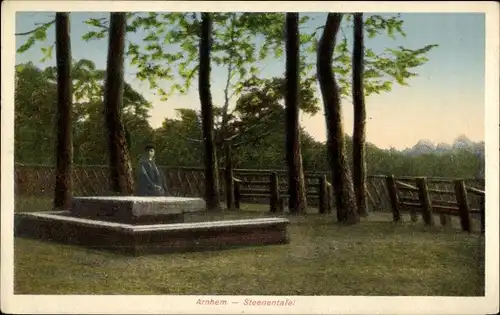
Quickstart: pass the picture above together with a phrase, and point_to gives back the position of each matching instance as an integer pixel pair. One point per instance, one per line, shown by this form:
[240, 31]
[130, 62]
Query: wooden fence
[320, 191]
[255, 186]
[417, 195]
[93, 180]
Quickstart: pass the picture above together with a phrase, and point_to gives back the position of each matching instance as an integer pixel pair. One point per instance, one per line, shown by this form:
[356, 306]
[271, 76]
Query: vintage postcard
[211, 157]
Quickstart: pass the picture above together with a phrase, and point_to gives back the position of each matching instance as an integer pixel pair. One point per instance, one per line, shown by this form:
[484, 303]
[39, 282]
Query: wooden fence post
[463, 204]
[275, 193]
[425, 201]
[237, 194]
[323, 194]
[393, 197]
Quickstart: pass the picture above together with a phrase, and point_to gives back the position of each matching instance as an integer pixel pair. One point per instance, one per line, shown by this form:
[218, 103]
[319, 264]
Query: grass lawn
[375, 257]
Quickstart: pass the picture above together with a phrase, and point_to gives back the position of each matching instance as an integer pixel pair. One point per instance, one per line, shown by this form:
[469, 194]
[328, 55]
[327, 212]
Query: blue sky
[443, 102]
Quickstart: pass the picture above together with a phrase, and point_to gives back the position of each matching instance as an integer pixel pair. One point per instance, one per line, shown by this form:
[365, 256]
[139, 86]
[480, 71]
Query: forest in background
[262, 146]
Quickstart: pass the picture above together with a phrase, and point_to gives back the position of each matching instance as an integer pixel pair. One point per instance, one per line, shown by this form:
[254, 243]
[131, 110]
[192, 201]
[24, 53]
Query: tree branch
[42, 25]
[193, 72]
[343, 33]
[102, 26]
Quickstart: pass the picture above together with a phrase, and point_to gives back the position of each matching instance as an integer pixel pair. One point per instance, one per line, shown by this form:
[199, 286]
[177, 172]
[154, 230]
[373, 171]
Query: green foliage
[47, 52]
[170, 49]
[36, 99]
[38, 34]
[35, 102]
[393, 64]
[170, 46]
[384, 69]
[94, 35]
[170, 39]
[167, 56]
[173, 144]
[381, 70]
[263, 92]
[377, 24]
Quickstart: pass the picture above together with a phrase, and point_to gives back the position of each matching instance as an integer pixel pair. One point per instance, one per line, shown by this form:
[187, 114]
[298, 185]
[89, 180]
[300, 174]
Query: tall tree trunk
[296, 188]
[212, 197]
[64, 146]
[359, 133]
[120, 165]
[341, 179]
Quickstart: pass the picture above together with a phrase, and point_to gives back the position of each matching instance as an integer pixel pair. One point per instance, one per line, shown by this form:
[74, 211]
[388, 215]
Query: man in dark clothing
[151, 181]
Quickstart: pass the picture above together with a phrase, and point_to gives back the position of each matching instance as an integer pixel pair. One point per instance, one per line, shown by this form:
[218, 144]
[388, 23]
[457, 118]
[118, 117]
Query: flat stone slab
[60, 226]
[137, 209]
